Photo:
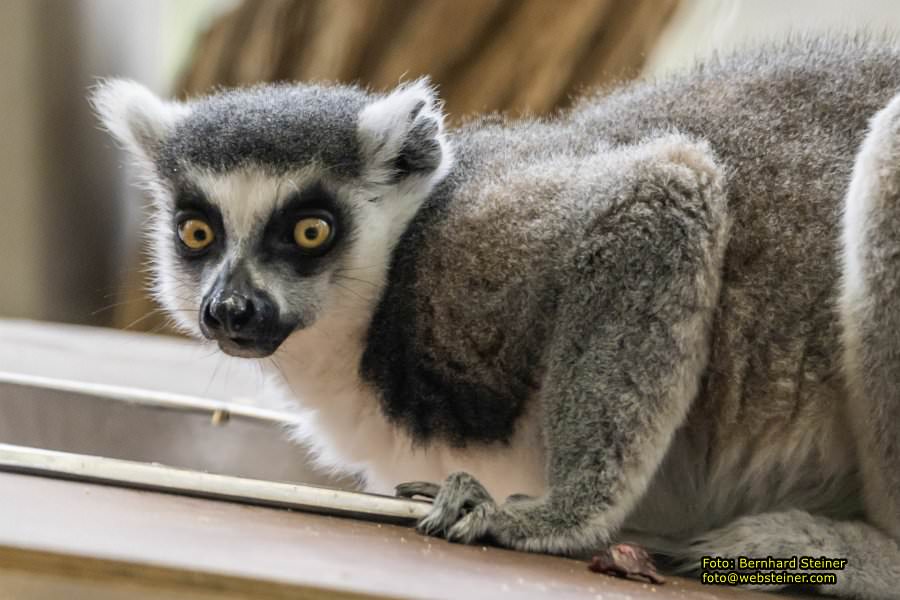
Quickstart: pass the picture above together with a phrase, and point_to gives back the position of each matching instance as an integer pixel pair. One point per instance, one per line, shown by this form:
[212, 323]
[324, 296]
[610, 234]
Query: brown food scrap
[627, 561]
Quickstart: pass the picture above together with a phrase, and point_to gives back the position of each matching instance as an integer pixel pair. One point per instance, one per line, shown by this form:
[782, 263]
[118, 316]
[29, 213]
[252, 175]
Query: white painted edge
[309, 498]
[149, 397]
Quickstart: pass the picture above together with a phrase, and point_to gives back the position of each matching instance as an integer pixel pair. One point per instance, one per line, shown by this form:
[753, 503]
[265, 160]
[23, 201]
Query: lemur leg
[646, 279]
[870, 311]
[873, 558]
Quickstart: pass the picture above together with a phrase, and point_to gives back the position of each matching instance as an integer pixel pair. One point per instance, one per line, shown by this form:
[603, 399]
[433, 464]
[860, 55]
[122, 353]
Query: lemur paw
[461, 510]
[516, 523]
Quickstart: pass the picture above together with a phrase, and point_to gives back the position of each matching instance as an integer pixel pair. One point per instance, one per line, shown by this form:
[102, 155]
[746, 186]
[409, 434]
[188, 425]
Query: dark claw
[417, 488]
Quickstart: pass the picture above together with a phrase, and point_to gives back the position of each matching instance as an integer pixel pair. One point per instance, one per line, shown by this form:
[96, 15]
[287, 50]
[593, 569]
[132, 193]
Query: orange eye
[312, 233]
[195, 234]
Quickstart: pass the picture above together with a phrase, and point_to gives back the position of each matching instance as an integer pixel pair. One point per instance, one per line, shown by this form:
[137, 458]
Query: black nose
[230, 313]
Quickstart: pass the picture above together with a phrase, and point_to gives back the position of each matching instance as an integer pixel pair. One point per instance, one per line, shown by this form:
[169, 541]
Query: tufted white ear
[402, 134]
[135, 116]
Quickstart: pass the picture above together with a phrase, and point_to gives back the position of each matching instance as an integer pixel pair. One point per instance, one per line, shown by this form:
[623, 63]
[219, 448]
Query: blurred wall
[61, 231]
[70, 220]
[700, 27]
[20, 251]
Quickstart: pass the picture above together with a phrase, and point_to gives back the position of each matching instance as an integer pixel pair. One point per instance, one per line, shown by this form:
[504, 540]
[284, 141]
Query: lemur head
[275, 204]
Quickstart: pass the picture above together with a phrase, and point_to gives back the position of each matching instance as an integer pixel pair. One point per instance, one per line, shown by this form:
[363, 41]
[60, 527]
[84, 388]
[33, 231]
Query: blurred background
[70, 244]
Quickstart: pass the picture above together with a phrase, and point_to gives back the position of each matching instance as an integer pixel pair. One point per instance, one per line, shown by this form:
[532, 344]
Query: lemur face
[274, 205]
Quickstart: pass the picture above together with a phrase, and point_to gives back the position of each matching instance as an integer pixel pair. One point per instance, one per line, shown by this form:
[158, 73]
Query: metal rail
[81, 467]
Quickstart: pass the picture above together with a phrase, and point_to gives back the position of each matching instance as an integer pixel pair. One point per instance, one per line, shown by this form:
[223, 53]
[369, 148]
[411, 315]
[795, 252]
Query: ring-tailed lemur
[669, 315]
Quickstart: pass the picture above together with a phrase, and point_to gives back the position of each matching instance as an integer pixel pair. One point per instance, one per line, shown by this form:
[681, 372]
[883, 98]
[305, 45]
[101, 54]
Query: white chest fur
[343, 425]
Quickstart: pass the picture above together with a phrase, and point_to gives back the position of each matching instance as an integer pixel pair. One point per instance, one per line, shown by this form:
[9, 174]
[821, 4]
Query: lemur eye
[196, 234]
[312, 233]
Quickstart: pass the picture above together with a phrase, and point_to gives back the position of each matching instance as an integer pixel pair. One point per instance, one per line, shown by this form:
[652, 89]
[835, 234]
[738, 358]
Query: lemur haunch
[670, 315]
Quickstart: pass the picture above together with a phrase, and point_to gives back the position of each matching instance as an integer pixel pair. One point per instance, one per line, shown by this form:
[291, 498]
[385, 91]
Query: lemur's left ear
[402, 134]
[135, 116]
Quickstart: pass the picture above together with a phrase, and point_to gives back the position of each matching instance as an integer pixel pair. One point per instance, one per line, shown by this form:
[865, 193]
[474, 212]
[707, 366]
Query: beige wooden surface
[99, 541]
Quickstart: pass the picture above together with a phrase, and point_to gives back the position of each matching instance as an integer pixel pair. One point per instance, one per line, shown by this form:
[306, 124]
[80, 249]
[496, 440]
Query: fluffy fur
[663, 316]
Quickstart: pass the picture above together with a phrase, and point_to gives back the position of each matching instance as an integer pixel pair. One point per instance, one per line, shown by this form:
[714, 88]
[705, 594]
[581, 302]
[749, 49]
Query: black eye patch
[192, 204]
[278, 243]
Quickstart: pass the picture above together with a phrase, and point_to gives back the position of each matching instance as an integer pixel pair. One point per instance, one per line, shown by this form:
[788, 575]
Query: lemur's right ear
[135, 116]
[402, 134]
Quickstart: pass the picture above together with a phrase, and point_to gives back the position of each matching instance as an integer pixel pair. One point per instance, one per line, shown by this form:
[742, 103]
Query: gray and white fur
[670, 315]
